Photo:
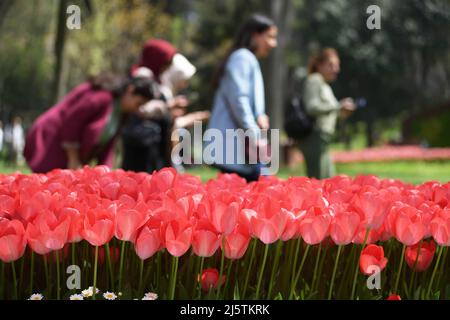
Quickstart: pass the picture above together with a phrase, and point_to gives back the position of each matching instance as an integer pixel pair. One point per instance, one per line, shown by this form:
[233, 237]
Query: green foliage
[434, 130]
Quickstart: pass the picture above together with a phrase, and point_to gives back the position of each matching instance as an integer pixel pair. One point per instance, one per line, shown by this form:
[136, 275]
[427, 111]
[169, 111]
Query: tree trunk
[5, 5]
[282, 12]
[59, 50]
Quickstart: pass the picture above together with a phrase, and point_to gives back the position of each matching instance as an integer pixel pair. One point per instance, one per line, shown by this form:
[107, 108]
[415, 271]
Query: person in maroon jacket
[84, 126]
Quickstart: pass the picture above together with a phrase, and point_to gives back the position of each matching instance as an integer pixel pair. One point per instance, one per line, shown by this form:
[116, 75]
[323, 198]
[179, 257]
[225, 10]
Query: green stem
[296, 252]
[31, 273]
[222, 262]
[94, 286]
[316, 265]
[227, 279]
[108, 261]
[14, 280]
[294, 284]
[275, 267]
[355, 274]
[2, 280]
[73, 253]
[158, 269]
[441, 271]
[122, 255]
[141, 275]
[173, 278]
[261, 271]
[336, 262]
[399, 270]
[434, 271]
[200, 277]
[58, 277]
[323, 257]
[413, 276]
[252, 257]
[47, 278]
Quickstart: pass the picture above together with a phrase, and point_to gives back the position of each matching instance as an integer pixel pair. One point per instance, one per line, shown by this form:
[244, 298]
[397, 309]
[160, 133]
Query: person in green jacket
[321, 104]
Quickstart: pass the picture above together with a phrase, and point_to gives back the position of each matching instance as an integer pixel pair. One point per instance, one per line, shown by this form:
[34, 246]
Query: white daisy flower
[36, 296]
[87, 293]
[96, 290]
[76, 297]
[109, 295]
[150, 296]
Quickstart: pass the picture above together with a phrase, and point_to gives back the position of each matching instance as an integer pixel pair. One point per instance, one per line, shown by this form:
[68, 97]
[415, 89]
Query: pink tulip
[148, 242]
[270, 220]
[440, 227]
[48, 233]
[12, 240]
[205, 240]
[178, 237]
[343, 227]
[99, 226]
[315, 225]
[372, 208]
[128, 221]
[236, 243]
[408, 225]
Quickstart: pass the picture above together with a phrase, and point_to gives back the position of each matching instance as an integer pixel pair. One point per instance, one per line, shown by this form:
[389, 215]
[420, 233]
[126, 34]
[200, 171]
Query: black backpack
[298, 124]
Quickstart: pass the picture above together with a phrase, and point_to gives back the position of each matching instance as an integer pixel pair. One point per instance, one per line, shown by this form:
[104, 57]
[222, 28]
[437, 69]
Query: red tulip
[315, 225]
[372, 255]
[422, 260]
[440, 227]
[343, 227]
[372, 207]
[210, 279]
[128, 221]
[12, 240]
[48, 233]
[99, 226]
[224, 216]
[270, 221]
[236, 243]
[205, 241]
[408, 225]
[394, 297]
[148, 242]
[178, 237]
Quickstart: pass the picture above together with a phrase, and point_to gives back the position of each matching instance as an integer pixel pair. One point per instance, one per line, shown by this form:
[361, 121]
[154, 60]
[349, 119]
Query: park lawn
[414, 172]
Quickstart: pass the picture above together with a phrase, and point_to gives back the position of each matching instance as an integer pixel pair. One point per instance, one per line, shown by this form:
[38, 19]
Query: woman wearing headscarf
[146, 135]
[84, 125]
[239, 99]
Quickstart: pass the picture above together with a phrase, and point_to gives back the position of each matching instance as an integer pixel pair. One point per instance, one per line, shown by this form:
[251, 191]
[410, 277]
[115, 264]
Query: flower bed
[130, 233]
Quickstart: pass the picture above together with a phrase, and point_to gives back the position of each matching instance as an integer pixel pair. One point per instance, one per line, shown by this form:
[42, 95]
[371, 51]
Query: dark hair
[117, 85]
[320, 57]
[256, 23]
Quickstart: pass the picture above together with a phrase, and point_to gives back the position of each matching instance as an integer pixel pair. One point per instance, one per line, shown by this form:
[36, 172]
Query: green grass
[414, 172]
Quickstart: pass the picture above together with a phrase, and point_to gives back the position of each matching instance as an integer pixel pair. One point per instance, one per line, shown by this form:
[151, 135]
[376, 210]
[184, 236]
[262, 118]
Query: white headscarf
[180, 70]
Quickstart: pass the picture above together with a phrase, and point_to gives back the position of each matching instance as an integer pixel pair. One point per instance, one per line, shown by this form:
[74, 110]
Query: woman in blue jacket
[239, 98]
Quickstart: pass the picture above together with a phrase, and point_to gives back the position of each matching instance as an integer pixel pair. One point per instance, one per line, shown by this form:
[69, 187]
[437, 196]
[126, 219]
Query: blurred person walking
[239, 101]
[18, 141]
[84, 125]
[322, 105]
